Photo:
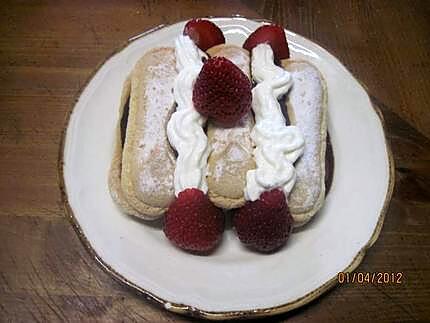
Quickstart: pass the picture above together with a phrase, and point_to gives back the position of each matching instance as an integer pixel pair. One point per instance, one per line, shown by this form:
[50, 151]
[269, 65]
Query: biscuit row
[141, 174]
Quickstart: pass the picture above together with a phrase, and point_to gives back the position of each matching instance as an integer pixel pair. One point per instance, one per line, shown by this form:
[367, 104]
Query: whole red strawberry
[193, 223]
[274, 36]
[222, 92]
[265, 224]
[204, 33]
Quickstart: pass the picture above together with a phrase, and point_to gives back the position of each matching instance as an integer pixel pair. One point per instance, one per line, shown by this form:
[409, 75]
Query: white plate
[233, 281]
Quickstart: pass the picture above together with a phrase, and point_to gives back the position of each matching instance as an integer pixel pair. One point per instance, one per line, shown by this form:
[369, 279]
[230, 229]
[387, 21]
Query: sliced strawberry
[193, 223]
[273, 35]
[204, 33]
[265, 224]
[222, 92]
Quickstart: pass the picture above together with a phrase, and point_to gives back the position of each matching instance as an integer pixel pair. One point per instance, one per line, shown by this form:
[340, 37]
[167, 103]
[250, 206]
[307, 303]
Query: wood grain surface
[47, 51]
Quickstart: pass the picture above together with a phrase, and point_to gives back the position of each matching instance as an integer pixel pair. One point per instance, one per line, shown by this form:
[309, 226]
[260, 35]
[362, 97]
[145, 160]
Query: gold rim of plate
[187, 309]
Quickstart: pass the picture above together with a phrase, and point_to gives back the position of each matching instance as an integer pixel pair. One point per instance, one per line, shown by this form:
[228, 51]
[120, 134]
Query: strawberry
[204, 33]
[222, 92]
[274, 36]
[265, 224]
[193, 223]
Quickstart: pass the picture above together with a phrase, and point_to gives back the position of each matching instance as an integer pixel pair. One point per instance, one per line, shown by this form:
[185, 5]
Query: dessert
[195, 138]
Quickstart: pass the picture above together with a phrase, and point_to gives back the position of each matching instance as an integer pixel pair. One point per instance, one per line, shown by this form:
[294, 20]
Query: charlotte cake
[197, 137]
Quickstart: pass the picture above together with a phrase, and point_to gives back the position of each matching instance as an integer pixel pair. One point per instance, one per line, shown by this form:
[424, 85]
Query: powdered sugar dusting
[234, 145]
[235, 159]
[236, 153]
[154, 149]
[240, 133]
[151, 183]
[159, 98]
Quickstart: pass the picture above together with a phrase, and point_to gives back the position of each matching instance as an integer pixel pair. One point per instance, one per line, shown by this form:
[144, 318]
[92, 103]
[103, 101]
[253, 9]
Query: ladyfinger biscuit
[307, 108]
[115, 168]
[231, 155]
[148, 160]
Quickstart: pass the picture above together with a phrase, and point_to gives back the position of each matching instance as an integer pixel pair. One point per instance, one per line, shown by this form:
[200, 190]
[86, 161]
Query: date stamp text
[377, 278]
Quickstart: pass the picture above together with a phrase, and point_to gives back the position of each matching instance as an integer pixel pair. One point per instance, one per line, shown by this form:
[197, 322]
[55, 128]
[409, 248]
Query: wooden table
[47, 52]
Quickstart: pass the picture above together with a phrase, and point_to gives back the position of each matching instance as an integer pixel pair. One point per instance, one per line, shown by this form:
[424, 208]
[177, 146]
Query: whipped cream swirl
[185, 127]
[277, 146]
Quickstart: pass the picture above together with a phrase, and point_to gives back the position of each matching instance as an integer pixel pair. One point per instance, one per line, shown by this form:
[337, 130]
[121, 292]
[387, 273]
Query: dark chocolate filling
[283, 103]
[124, 120]
[329, 164]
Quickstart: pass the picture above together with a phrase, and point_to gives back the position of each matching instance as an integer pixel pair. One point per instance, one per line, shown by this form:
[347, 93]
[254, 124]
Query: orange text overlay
[377, 278]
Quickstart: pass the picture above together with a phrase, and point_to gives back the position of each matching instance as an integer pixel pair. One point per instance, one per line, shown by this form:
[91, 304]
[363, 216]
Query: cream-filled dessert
[196, 138]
